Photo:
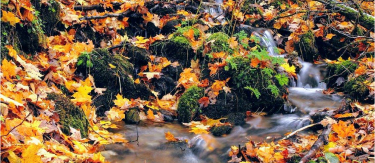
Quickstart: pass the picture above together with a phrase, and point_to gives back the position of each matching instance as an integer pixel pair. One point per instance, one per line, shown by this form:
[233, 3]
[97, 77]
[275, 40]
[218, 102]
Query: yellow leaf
[330, 35]
[9, 17]
[13, 158]
[112, 66]
[141, 40]
[121, 102]
[328, 146]
[12, 52]
[137, 81]
[289, 69]
[98, 157]
[30, 153]
[81, 96]
[79, 147]
[115, 114]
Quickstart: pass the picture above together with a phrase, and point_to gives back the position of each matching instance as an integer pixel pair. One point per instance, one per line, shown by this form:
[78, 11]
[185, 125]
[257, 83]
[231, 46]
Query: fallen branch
[96, 7]
[322, 139]
[124, 14]
[301, 129]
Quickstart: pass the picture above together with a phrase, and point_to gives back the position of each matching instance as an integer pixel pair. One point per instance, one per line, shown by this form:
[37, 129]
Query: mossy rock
[177, 49]
[138, 56]
[30, 38]
[236, 118]
[266, 93]
[117, 80]
[85, 33]
[7, 33]
[220, 42]
[132, 116]
[188, 104]
[357, 89]
[70, 114]
[225, 104]
[169, 27]
[49, 16]
[221, 130]
[306, 47]
[341, 70]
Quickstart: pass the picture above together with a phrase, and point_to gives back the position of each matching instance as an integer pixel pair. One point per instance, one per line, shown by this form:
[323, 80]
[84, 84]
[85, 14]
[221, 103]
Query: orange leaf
[9, 17]
[150, 114]
[190, 34]
[343, 130]
[8, 69]
[170, 137]
[254, 62]
[218, 55]
[204, 101]
[360, 70]
[204, 83]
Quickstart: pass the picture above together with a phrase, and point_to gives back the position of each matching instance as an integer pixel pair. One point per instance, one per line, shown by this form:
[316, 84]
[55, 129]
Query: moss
[244, 76]
[70, 114]
[343, 69]
[225, 104]
[30, 37]
[138, 56]
[221, 130]
[181, 31]
[357, 89]
[132, 116]
[117, 80]
[220, 43]
[177, 49]
[50, 16]
[306, 47]
[181, 41]
[188, 104]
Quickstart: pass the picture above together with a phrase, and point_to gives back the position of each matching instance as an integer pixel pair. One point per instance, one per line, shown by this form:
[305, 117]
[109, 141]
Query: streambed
[153, 147]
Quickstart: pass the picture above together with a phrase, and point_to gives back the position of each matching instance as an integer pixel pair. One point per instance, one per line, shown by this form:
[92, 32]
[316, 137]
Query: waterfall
[266, 40]
[310, 76]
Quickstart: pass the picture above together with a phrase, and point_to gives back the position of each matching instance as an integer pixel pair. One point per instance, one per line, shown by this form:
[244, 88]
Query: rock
[49, 16]
[357, 89]
[138, 56]
[164, 85]
[236, 118]
[167, 115]
[221, 130]
[188, 104]
[117, 80]
[306, 47]
[70, 114]
[132, 116]
[169, 27]
[225, 104]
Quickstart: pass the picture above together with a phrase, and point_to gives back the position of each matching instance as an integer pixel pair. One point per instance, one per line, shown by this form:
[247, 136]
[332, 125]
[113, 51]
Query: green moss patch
[70, 115]
[188, 104]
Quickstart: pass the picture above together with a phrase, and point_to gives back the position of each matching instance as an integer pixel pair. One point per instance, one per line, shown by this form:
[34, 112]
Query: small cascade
[310, 76]
[266, 40]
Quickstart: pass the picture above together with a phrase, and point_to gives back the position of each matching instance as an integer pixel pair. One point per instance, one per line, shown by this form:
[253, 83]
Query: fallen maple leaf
[170, 137]
[343, 130]
[9, 17]
[204, 101]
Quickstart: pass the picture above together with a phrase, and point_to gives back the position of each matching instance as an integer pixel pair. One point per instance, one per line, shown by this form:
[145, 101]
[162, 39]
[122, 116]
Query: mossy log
[70, 114]
[363, 19]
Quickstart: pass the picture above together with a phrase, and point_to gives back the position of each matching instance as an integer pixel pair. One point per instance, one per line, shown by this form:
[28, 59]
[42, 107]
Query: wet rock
[169, 27]
[357, 89]
[164, 85]
[335, 71]
[221, 130]
[225, 104]
[167, 115]
[188, 104]
[306, 47]
[138, 56]
[70, 114]
[132, 116]
[117, 80]
[236, 119]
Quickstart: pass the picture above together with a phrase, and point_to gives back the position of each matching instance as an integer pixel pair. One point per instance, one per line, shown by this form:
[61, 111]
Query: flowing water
[305, 98]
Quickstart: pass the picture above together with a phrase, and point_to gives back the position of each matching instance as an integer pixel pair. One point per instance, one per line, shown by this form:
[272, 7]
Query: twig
[301, 129]
[96, 7]
[322, 139]
[136, 140]
[17, 125]
[124, 14]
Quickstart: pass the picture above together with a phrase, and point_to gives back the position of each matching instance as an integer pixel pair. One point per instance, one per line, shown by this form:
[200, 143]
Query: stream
[305, 98]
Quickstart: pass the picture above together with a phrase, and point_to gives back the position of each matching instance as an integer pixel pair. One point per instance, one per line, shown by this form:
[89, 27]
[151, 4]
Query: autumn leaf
[204, 101]
[81, 96]
[188, 79]
[218, 85]
[30, 153]
[254, 62]
[360, 70]
[115, 114]
[8, 69]
[189, 34]
[9, 17]
[170, 137]
[329, 36]
[289, 69]
[150, 114]
[121, 102]
[343, 130]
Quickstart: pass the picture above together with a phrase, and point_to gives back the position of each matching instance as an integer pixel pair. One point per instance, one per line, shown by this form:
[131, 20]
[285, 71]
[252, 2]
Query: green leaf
[254, 90]
[80, 62]
[89, 64]
[331, 158]
[274, 90]
[283, 80]
[267, 71]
